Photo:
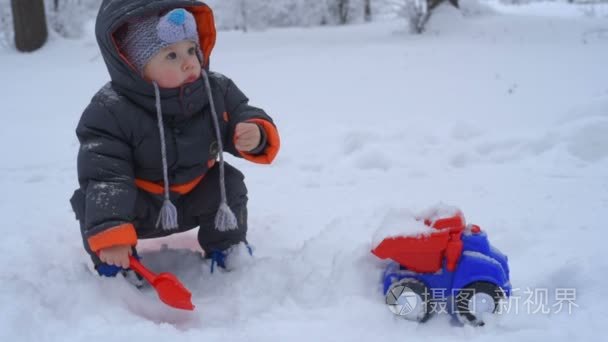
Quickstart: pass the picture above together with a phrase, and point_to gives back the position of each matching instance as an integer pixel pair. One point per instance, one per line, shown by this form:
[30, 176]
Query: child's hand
[116, 255]
[247, 136]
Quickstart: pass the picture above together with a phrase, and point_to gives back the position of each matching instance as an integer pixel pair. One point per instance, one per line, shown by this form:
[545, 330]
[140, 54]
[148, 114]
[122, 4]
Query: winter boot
[231, 258]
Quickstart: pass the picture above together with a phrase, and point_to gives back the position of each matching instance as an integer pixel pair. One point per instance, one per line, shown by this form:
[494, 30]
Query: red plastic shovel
[170, 289]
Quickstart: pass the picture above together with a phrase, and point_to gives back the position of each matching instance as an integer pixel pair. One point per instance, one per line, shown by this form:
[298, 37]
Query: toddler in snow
[151, 141]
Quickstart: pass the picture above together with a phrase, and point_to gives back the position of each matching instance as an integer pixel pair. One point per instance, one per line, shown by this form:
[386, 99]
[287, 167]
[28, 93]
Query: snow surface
[503, 116]
[550, 8]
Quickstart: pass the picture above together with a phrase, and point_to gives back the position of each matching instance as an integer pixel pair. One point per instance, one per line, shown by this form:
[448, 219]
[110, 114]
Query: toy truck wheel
[410, 299]
[477, 299]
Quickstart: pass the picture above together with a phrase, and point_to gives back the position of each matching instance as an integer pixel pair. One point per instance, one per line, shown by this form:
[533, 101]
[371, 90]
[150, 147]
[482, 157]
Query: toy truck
[454, 267]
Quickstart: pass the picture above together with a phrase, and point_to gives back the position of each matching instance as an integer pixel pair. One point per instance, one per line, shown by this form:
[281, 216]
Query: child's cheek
[171, 77]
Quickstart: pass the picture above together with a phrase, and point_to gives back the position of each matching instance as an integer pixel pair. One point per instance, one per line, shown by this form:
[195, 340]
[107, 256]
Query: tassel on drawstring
[168, 213]
[225, 218]
[167, 216]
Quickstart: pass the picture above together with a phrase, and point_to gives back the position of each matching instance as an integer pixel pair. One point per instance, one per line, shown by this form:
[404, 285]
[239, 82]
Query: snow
[503, 115]
[397, 223]
[547, 8]
[440, 211]
[400, 222]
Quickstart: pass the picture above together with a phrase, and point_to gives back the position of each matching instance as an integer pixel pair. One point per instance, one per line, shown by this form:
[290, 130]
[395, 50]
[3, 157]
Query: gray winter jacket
[119, 135]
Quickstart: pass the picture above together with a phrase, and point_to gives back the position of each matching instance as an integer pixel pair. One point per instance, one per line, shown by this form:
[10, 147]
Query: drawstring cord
[225, 218]
[168, 213]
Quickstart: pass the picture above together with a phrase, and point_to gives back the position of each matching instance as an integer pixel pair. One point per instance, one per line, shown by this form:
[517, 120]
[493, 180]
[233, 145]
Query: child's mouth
[191, 79]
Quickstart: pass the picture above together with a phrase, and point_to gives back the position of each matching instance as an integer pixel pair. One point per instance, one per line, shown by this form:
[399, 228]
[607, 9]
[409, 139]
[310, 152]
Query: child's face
[174, 65]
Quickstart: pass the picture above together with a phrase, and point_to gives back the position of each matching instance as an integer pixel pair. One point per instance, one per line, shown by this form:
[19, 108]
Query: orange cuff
[119, 235]
[273, 144]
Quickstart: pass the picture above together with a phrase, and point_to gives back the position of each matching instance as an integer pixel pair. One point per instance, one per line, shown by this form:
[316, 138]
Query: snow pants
[195, 209]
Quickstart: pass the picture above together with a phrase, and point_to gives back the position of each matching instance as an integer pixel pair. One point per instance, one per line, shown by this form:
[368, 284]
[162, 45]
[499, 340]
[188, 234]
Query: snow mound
[590, 142]
[403, 222]
[585, 131]
[439, 211]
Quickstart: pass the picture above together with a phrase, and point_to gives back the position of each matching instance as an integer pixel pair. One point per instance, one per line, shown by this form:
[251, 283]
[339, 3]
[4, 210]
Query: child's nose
[188, 64]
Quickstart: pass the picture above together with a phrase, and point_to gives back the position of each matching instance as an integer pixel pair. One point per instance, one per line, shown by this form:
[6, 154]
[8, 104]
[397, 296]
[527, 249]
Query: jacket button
[177, 131]
[187, 91]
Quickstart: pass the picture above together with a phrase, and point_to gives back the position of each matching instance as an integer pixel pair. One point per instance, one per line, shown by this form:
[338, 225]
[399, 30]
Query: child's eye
[172, 56]
[192, 51]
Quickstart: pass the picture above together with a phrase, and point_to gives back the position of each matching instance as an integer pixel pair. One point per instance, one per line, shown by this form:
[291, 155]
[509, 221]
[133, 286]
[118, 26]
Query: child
[150, 161]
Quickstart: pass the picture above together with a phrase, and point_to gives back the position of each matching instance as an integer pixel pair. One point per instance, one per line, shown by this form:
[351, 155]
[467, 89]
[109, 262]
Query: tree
[29, 21]
[417, 12]
[343, 9]
[368, 10]
[340, 10]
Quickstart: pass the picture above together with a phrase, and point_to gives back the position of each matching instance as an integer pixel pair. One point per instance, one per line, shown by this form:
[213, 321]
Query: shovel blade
[172, 292]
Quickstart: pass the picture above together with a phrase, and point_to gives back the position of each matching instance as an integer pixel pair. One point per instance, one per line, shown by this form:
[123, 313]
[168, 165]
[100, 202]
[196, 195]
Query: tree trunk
[368, 10]
[343, 9]
[244, 14]
[29, 21]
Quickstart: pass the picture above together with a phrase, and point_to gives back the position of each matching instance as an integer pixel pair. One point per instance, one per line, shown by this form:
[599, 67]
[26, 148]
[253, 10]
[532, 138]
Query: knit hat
[140, 39]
